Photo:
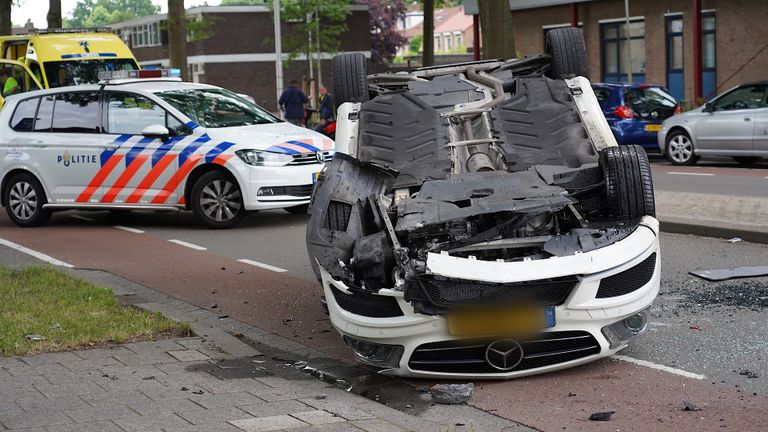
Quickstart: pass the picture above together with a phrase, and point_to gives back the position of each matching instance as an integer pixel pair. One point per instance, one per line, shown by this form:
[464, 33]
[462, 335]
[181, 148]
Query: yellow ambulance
[47, 58]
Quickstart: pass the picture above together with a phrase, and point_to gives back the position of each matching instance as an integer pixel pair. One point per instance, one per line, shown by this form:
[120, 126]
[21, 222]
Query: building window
[616, 51]
[448, 42]
[708, 52]
[459, 39]
[145, 35]
[675, 44]
[437, 43]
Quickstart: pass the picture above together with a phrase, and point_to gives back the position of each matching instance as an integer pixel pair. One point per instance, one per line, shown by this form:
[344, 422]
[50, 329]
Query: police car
[146, 140]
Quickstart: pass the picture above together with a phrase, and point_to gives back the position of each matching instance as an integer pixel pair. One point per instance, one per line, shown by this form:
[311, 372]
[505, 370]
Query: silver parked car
[733, 124]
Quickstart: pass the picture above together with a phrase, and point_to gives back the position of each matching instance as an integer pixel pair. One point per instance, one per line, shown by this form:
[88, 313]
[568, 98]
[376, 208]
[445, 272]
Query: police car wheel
[299, 209]
[217, 200]
[24, 198]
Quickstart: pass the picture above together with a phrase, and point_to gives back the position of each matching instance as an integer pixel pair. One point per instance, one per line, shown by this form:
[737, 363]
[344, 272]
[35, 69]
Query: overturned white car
[480, 221]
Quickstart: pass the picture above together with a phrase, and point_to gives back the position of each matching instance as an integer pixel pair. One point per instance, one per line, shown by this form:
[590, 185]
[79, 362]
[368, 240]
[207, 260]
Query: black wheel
[299, 209]
[24, 198]
[569, 55]
[217, 201]
[679, 149]
[350, 78]
[746, 160]
[628, 183]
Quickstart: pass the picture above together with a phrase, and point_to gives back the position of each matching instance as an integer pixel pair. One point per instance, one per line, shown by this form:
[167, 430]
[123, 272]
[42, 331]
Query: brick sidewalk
[189, 385]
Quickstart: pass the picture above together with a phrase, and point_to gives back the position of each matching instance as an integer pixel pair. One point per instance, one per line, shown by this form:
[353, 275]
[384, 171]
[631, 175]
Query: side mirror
[156, 131]
[709, 107]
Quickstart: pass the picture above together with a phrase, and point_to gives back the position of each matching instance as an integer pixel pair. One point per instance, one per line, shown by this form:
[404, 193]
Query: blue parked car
[635, 111]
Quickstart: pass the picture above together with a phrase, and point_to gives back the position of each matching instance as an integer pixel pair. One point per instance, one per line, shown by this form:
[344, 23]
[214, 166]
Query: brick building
[239, 53]
[734, 39]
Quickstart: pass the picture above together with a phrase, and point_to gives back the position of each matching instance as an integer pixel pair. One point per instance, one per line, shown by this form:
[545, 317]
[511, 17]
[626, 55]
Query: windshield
[648, 99]
[217, 108]
[66, 73]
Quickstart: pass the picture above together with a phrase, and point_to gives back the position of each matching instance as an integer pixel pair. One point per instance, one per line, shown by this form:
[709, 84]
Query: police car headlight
[263, 158]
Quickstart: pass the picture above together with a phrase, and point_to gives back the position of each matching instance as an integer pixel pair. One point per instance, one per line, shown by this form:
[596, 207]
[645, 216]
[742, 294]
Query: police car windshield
[77, 72]
[217, 108]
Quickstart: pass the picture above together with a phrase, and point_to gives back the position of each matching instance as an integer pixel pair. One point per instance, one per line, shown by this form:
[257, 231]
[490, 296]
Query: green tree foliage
[414, 45]
[94, 13]
[325, 19]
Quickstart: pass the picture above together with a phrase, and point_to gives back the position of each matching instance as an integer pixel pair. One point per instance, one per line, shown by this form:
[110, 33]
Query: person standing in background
[326, 108]
[292, 103]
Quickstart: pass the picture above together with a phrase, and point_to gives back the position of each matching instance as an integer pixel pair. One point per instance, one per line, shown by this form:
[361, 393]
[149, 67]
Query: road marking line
[85, 218]
[129, 229]
[39, 255]
[262, 265]
[189, 245]
[658, 367]
[689, 173]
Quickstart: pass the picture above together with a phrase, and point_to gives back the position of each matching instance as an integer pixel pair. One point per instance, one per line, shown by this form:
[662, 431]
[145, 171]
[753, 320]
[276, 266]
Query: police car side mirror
[156, 131]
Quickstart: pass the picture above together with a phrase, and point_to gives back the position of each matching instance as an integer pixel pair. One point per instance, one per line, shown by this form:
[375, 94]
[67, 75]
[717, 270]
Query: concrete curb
[713, 229]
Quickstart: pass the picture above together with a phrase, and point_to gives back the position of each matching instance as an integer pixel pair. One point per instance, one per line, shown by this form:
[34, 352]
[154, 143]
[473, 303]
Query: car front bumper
[287, 186]
[578, 321]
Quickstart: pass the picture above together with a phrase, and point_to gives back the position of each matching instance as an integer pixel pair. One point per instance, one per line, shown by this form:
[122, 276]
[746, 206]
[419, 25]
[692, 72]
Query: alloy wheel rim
[221, 200]
[23, 200]
[680, 148]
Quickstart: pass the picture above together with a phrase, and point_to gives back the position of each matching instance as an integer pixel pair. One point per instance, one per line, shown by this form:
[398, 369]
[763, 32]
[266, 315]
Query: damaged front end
[506, 192]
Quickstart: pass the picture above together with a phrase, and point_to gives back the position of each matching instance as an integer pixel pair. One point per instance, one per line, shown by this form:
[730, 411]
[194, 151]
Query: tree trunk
[5, 17]
[496, 27]
[177, 37]
[428, 37]
[54, 14]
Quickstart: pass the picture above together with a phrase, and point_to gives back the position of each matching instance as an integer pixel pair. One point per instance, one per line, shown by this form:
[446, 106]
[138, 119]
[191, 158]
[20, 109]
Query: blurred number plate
[652, 127]
[314, 177]
[511, 322]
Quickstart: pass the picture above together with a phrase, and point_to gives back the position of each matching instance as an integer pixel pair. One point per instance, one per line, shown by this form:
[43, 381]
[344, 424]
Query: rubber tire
[568, 52]
[41, 216]
[694, 157]
[747, 160]
[350, 78]
[628, 182]
[197, 208]
[299, 209]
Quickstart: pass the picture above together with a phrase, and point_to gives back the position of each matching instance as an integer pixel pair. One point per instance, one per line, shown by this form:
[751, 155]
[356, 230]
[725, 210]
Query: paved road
[717, 177]
[715, 330]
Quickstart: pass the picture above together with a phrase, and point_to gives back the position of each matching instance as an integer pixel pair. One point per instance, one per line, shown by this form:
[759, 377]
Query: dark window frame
[618, 40]
[99, 101]
[168, 115]
[668, 35]
[713, 32]
[34, 118]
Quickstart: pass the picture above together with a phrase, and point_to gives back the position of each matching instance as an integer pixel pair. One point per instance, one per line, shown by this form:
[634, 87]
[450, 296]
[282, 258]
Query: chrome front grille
[310, 158]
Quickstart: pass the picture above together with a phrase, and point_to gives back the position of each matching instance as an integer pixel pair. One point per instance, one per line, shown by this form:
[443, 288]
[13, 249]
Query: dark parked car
[635, 111]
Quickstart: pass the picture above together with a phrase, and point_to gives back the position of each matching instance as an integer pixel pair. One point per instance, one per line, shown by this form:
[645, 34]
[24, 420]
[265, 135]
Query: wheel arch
[681, 128]
[12, 172]
[200, 171]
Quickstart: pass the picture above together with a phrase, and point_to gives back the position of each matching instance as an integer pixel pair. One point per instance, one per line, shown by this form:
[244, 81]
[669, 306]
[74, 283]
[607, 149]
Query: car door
[760, 140]
[143, 161]
[67, 127]
[728, 125]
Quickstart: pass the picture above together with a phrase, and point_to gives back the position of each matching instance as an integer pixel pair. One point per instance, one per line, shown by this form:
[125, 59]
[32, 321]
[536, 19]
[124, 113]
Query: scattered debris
[747, 294]
[408, 405]
[184, 389]
[149, 378]
[258, 361]
[197, 392]
[287, 320]
[601, 416]
[54, 326]
[747, 373]
[716, 275]
[452, 393]
[223, 268]
[690, 407]
[223, 317]
[238, 335]
[214, 306]
[321, 397]
[422, 389]
[571, 394]
[694, 327]
[35, 337]
[300, 364]
[735, 240]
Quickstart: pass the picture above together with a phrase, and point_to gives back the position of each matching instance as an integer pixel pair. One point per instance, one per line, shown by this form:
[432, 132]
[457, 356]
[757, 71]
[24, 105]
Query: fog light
[620, 332]
[266, 191]
[378, 355]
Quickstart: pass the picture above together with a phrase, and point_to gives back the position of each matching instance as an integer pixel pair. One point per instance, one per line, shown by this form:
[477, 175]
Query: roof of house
[455, 22]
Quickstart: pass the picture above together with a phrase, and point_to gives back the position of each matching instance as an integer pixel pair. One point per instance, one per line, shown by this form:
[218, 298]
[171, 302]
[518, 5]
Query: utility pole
[278, 53]
[629, 41]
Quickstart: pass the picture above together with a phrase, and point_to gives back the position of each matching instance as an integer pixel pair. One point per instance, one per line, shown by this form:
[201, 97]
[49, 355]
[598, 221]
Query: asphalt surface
[717, 177]
[695, 328]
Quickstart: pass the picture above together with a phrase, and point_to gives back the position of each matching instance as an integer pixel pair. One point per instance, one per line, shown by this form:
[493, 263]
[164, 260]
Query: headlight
[263, 158]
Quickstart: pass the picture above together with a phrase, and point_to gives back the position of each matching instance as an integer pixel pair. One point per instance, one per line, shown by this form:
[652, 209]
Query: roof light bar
[71, 30]
[139, 74]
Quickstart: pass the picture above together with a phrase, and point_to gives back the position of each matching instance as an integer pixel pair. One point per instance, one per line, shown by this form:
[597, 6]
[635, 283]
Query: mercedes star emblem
[504, 354]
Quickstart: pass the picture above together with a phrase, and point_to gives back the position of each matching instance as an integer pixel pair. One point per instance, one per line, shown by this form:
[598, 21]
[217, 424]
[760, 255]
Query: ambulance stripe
[178, 176]
[216, 151]
[124, 178]
[150, 178]
[190, 149]
[136, 150]
[99, 178]
[304, 144]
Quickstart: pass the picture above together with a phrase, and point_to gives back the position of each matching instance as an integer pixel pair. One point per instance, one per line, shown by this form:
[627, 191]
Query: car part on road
[679, 149]
[452, 394]
[217, 200]
[716, 275]
[483, 208]
[24, 199]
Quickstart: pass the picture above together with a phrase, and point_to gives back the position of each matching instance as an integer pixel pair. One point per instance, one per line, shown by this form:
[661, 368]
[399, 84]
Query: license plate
[509, 322]
[314, 177]
[652, 127]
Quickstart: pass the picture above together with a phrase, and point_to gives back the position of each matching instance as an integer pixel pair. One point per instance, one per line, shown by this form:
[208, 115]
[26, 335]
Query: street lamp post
[278, 52]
